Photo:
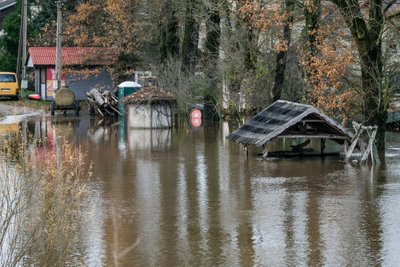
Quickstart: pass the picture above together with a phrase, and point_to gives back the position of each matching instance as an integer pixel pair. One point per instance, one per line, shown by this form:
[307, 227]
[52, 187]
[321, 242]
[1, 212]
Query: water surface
[189, 197]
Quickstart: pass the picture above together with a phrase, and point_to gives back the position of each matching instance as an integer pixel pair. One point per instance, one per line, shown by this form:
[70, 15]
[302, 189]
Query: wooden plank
[375, 155]
[318, 136]
[372, 135]
[311, 121]
[358, 129]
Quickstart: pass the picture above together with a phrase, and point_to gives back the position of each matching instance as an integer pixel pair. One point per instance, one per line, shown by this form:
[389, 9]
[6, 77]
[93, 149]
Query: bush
[41, 193]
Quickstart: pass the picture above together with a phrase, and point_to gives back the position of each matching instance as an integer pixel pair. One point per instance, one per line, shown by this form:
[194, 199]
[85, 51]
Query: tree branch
[393, 16]
[389, 5]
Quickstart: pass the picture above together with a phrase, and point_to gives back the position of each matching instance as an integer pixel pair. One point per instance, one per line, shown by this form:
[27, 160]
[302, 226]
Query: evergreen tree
[9, 41]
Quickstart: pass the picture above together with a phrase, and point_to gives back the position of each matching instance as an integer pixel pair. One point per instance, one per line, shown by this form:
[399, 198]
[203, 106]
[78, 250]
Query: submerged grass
[32, 104]
[41, 194]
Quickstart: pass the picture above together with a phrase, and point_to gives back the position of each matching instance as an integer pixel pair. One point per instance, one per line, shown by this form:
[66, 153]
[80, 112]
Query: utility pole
[57, 82]
[24, 81]
[18, 70]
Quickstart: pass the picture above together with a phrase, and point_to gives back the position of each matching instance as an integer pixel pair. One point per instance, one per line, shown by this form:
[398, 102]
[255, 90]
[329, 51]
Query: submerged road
[6, 110]
[14, 114]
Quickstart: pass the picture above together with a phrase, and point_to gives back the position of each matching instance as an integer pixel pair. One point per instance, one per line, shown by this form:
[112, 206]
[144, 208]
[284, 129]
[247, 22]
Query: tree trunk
[211, 64]
[375, 107]
[169, 29]
[276, 91]
[190, 37]
[250, 57]
[368, 39]
[312, 14]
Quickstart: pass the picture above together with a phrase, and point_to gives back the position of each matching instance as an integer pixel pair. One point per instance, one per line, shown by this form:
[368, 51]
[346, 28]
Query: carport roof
[284, 119]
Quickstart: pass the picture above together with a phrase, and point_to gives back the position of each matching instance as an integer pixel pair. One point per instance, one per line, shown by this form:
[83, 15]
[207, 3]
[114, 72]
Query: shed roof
[150, 95]
[290, 120]
[46, 56]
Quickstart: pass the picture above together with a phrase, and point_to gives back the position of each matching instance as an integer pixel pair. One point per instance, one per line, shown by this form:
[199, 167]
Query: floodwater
[189, 197]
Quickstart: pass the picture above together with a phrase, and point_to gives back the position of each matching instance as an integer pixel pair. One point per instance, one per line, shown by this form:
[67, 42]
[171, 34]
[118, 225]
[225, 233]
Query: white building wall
[149, 116]
[139, 116]
[161, 116]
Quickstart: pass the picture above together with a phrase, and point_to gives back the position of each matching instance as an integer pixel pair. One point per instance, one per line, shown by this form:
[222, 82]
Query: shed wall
[161, 116]
[146, 116]
[139, 116]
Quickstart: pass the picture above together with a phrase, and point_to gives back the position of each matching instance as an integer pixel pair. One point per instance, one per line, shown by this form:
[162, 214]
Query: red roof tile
[71, 56]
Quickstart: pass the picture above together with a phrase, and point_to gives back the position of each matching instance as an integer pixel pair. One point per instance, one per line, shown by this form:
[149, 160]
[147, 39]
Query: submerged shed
[284, 119]
[149, 108]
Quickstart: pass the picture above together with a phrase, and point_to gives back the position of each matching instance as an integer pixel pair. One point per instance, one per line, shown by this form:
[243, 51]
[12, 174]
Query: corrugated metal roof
[46, 56]
[7, 3]
[288, 119]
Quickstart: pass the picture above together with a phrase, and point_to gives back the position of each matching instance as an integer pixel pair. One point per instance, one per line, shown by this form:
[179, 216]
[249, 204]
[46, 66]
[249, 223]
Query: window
[7, 78]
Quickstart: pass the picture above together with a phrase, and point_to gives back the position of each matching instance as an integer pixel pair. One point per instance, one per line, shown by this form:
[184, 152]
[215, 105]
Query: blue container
[125, 89]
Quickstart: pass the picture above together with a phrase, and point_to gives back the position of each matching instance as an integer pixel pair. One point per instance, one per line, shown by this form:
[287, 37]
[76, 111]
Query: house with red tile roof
[83, 69]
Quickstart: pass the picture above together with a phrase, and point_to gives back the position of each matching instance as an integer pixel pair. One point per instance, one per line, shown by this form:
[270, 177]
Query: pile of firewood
[102, 102]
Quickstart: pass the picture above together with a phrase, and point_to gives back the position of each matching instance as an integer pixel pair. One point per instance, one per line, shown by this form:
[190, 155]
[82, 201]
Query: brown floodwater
[189, 197]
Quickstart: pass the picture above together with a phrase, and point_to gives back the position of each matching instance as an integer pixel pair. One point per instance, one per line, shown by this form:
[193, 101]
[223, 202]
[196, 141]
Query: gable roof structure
[284, 119]
[71, 56]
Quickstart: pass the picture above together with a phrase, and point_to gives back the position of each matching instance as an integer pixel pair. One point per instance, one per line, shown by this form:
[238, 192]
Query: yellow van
[9, 85]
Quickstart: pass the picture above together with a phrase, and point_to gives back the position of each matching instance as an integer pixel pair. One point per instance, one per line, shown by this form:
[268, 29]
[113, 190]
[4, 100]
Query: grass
[27, 103]
[43, 190]
[33, 104]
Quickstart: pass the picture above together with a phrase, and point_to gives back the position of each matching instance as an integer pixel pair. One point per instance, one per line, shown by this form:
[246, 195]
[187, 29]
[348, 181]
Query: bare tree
[367, 35]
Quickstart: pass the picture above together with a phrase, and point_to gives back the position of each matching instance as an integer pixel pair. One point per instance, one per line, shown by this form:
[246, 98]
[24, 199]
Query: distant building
[82, 69]
[149, 108]
[6, 7]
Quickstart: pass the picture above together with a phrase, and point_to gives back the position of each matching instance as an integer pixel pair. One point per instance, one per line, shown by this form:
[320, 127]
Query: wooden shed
[149, 108]
[284, 119]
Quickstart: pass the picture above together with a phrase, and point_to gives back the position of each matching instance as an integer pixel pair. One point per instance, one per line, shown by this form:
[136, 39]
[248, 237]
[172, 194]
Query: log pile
[102, 102]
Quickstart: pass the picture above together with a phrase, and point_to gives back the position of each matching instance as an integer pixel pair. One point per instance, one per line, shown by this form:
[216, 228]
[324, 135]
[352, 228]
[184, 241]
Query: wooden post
[353, 145]
[322, 146]
[371, 134]
[375, 155]
[265, 151]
